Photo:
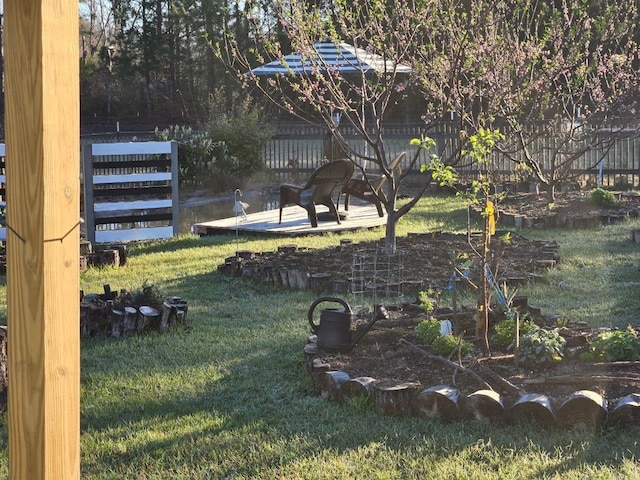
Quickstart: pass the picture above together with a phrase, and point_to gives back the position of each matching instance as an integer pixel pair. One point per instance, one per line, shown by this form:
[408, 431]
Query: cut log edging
[113, 315]
[102, 255]
[583, 410]
[90, 256]
[101, 317]
[278, 269]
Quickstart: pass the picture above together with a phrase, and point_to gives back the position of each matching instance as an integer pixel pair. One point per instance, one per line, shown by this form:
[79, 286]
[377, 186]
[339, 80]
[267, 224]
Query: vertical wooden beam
[42, 137]
[89, 214]
[175, 200]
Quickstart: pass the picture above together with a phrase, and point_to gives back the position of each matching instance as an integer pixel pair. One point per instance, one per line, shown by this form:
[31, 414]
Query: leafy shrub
[148, 294]
[223, 181]
[243, 130]
[443, 345]
[505, 331]
[614, 346]
[198, 154]
[541, 347]
[603, 198]
[428, 330]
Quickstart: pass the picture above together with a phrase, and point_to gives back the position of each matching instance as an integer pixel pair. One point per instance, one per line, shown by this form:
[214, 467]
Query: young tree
[481, 146]
[361, 99]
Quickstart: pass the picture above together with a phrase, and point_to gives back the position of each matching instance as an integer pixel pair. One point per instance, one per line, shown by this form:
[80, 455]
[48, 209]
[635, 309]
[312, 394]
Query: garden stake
[237, 193]
[517, 339]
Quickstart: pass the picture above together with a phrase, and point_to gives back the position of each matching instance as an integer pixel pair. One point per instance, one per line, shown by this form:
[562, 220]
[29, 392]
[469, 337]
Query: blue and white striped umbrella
[329, 56]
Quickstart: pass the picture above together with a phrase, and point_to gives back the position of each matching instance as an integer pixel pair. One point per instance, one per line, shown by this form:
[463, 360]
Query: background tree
[148, 59]
[565, 71]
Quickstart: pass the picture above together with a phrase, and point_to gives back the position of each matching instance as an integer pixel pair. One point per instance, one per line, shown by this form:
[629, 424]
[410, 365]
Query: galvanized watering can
[334, 331]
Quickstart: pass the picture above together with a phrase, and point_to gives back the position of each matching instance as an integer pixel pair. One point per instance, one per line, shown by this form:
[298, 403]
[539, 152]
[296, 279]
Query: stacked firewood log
[118, 315]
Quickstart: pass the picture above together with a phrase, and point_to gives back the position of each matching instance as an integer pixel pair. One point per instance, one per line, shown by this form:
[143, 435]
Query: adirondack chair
[317, 190]
[372, 190]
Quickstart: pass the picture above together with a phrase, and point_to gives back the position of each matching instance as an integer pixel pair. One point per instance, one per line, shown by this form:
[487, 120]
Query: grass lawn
[227, 397]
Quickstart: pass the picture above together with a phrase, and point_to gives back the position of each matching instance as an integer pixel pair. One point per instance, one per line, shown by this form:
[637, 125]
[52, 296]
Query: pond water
[202, 206]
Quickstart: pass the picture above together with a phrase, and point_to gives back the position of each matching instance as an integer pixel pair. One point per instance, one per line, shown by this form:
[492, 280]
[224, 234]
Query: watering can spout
[380, 313]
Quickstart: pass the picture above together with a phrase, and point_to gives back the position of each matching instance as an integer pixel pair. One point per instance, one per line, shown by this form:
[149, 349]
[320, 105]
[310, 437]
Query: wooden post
[42, 138]
[482, 319]
[516, 341]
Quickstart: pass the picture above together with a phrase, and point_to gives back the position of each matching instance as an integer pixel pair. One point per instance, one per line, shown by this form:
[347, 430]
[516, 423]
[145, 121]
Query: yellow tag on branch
[491, 217]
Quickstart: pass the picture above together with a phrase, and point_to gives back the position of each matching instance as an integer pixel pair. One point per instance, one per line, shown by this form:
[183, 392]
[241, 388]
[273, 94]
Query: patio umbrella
[340, 57]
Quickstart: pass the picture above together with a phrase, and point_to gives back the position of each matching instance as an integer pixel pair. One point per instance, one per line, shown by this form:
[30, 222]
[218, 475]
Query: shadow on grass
[181, 242]
[265, 405]
[230, 391]
[234, 381]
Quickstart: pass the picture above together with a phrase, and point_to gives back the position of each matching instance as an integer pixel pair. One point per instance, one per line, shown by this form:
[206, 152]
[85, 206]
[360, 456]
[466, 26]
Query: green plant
[541, 347]
[426, 301]
[360, 403]
[522, 172]
[148, 294]
[444, 175]
[428, 330]
[603, 198]
[503, 307]
[444, 345]
[242, 128]
[505, 331]
[615, 346]
[198, 154]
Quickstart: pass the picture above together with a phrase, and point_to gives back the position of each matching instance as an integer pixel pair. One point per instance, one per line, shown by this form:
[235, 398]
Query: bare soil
[390, 353]
[574, 203]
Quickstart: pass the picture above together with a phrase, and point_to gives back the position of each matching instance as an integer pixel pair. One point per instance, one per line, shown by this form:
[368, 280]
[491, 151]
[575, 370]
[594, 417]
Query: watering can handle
[314, 327]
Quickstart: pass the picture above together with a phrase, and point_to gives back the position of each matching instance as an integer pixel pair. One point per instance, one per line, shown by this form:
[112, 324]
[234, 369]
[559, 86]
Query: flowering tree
[565, 71]
[361, 100]
[529, 69]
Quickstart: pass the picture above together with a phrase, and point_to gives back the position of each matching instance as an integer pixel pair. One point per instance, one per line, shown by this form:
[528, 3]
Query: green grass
[227, 396]
[597, 279]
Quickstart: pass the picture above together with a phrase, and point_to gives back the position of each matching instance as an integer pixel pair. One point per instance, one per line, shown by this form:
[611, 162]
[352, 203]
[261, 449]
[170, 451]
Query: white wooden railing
[130, 191]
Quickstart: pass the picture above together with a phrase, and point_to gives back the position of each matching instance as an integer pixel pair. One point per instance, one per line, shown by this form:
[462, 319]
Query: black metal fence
[610, 163]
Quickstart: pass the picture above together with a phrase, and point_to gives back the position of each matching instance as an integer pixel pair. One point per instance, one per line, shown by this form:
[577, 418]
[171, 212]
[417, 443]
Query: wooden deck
[294, 222]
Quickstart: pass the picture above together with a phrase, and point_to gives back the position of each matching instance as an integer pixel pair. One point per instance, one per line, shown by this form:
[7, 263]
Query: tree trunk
[392, 221]
[551, 192]
[390, 232]
[390, 192]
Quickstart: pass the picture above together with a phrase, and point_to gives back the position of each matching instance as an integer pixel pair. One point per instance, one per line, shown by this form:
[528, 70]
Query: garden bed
[568, 210]
[393, 369]
[423, 261]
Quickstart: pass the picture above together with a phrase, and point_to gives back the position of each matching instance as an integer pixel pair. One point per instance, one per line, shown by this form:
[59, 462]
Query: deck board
[294, 222]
